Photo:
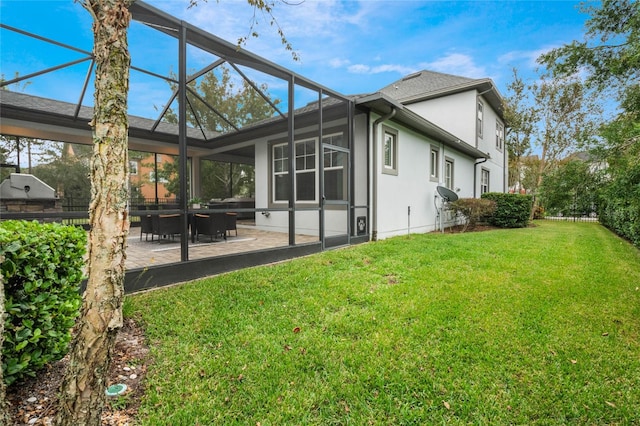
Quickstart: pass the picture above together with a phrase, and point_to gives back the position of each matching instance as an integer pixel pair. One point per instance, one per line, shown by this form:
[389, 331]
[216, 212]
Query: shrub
[619, 207]
[512, 210]
[473, 209]
[42, 270]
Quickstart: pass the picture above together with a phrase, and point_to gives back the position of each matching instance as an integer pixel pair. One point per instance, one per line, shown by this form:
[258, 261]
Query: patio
[177, 159]
[141, 254]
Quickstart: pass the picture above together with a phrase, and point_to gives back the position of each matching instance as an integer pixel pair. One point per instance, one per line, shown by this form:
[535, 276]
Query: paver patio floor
[147, 253]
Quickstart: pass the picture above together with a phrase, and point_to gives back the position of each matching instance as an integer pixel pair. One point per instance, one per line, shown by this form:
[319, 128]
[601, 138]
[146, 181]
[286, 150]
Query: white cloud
[339, 63]
[527, 58]
[359, 69]
[458, 64]
[366, 69]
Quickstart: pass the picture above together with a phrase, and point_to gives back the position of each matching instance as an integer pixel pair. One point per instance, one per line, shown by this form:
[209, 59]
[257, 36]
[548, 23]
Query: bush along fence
[512, 210]
[622, 216]
[42, 269]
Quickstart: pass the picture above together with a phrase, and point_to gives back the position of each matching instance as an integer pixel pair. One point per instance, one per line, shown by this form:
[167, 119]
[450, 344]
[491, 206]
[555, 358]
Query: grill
[22, 192]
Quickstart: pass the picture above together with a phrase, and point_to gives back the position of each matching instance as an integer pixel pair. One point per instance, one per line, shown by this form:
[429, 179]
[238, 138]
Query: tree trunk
[83, 387]
[4, 414]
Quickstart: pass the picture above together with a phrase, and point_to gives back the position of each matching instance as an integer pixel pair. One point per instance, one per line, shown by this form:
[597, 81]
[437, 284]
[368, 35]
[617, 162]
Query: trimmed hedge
[512, 210]
[619, 209]
[42, 269]
[474, 210]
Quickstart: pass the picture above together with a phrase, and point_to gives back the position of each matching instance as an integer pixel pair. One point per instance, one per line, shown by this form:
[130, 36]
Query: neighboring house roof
[425, 85]
[582, 156]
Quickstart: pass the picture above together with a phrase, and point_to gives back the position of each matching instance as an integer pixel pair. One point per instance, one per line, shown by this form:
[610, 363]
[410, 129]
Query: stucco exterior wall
[406, 202]
[487, 143]
[307, 222]
[455, 113]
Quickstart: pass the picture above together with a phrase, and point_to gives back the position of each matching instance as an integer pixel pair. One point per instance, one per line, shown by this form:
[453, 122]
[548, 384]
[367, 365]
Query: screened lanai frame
[203, 139]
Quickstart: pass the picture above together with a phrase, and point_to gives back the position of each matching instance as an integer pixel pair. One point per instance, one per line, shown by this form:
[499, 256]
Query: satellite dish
[446, 193]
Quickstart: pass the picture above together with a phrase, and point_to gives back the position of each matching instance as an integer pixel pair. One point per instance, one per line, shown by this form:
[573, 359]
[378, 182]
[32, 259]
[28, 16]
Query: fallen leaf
[574, 361]
[446, 405]
[296, 330]
[611, 404]
[287, 348]
[605, 334]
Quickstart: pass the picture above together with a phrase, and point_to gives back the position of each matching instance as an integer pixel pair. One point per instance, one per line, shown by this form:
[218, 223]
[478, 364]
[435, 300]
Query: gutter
[374, 209]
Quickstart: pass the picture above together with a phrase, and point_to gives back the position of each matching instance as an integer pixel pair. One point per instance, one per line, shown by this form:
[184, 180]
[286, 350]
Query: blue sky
[350, 46]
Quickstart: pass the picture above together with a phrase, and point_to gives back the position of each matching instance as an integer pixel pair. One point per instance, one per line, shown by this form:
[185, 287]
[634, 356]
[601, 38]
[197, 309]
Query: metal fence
[573, 218]
[82, 205]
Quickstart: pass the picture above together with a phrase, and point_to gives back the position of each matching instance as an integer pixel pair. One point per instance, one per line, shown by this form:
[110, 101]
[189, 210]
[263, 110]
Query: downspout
[374, 209]
[505, 168]
[475, 176]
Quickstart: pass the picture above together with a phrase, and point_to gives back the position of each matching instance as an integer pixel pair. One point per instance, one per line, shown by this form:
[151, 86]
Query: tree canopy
[609, 58]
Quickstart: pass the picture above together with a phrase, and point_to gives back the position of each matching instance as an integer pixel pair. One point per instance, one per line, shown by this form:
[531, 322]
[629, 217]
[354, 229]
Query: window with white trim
[499, 136]
[434, 164]
[306, 170]
[280, 168]
[390, 152]
[480, 117]
[133, 167]
[484, 181]
[161, 178]
[305, 165]
[448, 173]
[335, 178]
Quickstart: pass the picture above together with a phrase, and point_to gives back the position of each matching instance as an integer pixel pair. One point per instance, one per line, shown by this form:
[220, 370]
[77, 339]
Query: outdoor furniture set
[165, 226]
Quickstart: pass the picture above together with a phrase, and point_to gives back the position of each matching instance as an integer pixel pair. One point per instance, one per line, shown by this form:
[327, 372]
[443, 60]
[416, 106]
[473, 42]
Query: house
[423, 131]
[343, 169]
[467, 156]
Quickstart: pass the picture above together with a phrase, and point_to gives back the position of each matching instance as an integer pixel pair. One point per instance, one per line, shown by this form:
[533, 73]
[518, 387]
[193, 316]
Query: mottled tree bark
[83, 387]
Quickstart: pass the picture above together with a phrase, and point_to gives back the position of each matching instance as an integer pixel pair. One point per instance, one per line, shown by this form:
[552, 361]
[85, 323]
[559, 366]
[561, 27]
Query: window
[305, 169]
[133, 167]
[484, 181]
[335, 178]
[499, 136]
[161, 178]
[280, 157]
[448, 173]
[390, 152]
[434, 164]
[336, 139]
[480, 118]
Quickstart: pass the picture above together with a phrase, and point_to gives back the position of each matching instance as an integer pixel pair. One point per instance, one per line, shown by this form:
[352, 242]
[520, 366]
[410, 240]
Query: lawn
[524, 326]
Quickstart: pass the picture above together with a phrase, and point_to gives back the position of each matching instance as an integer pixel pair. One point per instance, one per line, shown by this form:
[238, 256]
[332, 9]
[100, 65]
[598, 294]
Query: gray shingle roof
[60, 111]
[425, 85]
[422, 83]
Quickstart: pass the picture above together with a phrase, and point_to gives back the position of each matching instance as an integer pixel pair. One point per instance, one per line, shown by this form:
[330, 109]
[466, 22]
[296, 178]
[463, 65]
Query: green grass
[524, 326]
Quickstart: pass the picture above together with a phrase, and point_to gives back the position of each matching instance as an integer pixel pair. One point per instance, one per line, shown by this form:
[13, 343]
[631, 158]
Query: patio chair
[166, 225]
[213, 224]
[231, 219]
[146, 227]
